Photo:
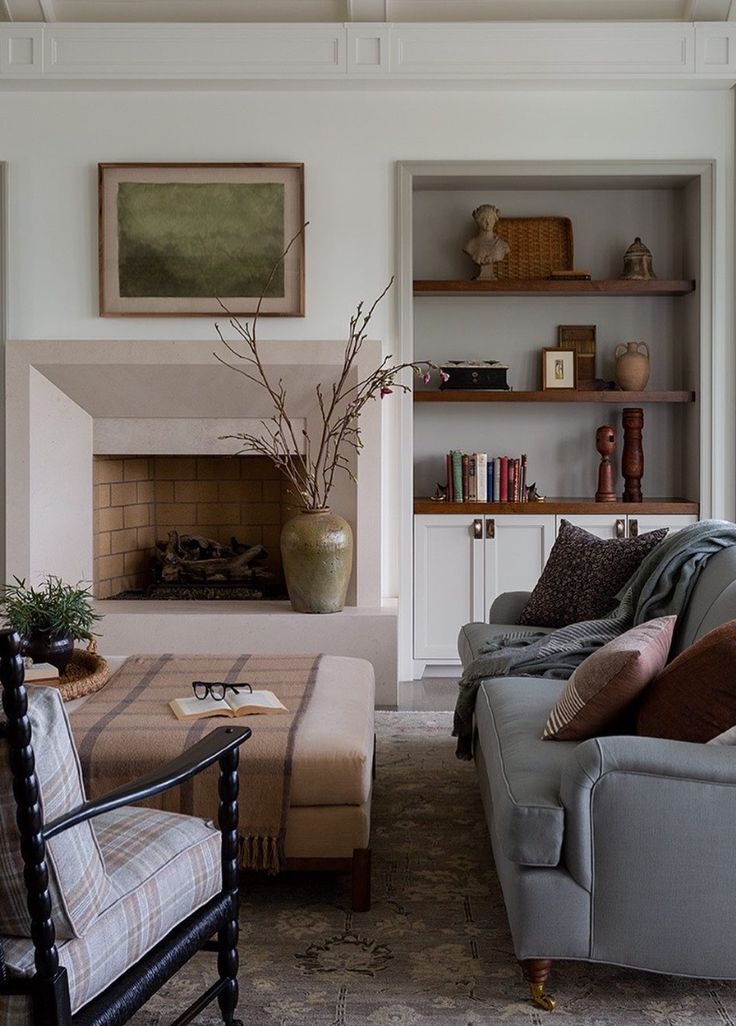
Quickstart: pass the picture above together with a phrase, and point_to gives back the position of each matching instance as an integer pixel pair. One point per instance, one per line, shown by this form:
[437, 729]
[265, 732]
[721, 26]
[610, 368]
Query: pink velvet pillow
[604, 684]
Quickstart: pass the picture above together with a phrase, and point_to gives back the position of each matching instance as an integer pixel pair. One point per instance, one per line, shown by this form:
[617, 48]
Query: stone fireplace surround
[69, 400]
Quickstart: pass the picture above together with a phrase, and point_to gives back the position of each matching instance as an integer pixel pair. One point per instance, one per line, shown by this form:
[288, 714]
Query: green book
[457, 476]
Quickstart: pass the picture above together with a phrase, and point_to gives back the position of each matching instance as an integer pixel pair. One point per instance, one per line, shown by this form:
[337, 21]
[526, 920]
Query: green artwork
[215, 239]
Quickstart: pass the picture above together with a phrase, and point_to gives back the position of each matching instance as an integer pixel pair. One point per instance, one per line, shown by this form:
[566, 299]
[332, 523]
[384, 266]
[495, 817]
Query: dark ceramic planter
[49, 648]
[317, 554]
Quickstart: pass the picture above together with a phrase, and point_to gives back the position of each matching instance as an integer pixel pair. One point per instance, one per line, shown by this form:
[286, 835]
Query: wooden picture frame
[176, 238]
[559, 369]
[581, 338]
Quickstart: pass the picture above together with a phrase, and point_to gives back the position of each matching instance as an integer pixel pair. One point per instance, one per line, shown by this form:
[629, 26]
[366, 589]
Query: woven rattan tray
[539, 246]
[86, 673]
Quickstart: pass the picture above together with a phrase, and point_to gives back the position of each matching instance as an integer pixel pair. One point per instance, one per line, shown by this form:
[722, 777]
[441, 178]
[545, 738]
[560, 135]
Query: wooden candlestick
[632, 461]
[605, 443]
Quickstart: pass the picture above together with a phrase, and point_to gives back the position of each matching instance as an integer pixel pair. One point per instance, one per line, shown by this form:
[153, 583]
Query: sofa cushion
[584, 574]
[712, 602]
[163, 866]
[474, 637]
[524, 772]
[609, 679]
[694, 698]
[78, 883]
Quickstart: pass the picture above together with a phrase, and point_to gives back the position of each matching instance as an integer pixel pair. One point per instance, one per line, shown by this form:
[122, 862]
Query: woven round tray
[86, 673]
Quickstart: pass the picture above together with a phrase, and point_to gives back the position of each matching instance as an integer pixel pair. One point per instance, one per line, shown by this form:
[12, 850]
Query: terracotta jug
[632, 366]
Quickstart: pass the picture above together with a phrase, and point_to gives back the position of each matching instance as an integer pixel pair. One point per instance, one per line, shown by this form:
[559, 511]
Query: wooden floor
[430, 694]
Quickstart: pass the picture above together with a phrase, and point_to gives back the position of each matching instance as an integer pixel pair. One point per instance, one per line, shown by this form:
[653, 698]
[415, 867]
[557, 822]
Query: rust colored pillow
[694, 698]
[608, 680]
[583, 575]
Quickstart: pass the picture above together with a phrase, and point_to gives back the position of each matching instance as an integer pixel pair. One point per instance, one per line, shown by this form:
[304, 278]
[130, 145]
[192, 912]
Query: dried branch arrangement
[310, 464]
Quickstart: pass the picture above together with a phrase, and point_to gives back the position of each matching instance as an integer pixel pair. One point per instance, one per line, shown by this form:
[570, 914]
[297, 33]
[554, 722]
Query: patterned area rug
[435, 949]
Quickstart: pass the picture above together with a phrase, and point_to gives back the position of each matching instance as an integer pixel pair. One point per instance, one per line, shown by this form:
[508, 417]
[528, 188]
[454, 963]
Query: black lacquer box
[480, 374]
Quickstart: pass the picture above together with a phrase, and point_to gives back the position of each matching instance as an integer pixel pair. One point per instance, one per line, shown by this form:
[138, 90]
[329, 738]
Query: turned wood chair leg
[227, 936]
[536, 971]
[361, 879]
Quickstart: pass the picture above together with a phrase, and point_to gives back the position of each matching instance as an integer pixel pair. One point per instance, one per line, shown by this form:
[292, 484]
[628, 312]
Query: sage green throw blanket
[660, 587]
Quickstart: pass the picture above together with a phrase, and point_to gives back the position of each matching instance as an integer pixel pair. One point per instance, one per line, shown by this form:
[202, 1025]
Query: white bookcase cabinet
[455, 574]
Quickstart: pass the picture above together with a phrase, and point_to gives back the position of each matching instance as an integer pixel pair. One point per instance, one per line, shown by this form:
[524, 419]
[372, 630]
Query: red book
[504, 482]
[515, 491]
[450, 490]
[511, 480]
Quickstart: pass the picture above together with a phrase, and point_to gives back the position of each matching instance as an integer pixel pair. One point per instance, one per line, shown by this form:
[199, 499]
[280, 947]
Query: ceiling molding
[364, 11]
[623, 53]
[706, 10]
[24, 10]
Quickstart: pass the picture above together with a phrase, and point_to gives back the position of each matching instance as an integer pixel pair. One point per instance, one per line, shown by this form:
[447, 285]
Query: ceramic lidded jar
[638, 262]
[632, 366]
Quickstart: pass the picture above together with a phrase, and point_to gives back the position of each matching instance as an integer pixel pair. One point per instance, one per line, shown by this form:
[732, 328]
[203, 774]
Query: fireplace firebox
[182, 527]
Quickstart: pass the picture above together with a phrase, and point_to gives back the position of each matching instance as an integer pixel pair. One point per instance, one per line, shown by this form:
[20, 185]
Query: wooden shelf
[560, 505]
[457, 395]
[544, 287]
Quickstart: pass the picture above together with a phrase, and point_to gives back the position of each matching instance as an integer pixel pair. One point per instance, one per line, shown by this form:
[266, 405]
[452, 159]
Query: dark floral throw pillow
[583, 575]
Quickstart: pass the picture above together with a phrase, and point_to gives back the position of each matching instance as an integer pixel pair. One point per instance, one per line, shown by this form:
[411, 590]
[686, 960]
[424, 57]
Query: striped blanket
[128, 729]
[660, 587]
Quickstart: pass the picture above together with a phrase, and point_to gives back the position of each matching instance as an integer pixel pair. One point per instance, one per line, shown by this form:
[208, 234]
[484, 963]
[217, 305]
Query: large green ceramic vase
[317, 554]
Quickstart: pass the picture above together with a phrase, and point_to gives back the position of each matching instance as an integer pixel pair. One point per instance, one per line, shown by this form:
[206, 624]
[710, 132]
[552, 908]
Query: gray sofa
[616, 849]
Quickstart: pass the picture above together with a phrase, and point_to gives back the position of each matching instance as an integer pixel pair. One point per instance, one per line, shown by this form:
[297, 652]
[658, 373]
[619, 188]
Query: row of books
[478, 477]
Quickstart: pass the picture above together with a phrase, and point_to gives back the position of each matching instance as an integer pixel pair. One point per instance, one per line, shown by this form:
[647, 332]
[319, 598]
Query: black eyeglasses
[217, 689]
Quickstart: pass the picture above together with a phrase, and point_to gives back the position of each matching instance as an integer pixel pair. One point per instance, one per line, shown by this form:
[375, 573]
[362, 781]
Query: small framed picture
[558, 368]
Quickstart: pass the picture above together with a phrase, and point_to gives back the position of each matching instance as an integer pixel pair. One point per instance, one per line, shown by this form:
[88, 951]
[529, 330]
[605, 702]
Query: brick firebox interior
[139, 499]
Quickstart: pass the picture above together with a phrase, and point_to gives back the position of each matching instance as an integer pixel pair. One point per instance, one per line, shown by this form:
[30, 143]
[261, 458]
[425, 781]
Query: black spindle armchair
[94, 921]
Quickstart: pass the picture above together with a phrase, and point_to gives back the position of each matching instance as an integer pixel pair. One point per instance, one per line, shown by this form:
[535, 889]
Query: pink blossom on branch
[311, 465]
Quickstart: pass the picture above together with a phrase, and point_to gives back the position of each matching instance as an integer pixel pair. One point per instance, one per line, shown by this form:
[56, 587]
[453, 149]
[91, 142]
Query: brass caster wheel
[541, 1000]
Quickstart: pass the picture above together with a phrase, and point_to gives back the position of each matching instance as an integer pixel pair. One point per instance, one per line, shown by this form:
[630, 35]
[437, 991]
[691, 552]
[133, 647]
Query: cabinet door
[653, 521]
[517, 548]
[448, 582]
[604, 525]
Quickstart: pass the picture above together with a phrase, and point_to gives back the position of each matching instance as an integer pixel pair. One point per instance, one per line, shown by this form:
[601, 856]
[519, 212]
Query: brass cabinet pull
[478, 528]
[490, 527]
[620, 528]
[633, 528]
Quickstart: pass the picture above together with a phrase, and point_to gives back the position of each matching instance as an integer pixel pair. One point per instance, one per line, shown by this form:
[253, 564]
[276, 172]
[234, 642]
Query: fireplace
[70, 400]
[154, 517]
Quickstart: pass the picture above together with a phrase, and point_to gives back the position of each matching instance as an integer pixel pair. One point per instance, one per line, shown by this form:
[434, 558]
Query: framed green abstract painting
[176, 238]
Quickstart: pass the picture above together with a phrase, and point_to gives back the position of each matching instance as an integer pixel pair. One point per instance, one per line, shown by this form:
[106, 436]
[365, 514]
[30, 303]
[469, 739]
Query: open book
[243, 704]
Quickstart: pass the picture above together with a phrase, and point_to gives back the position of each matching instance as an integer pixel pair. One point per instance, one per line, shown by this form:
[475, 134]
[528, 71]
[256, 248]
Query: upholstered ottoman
[306, 782]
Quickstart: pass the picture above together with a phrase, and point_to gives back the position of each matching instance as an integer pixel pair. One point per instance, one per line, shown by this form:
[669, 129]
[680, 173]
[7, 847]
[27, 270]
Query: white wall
[349, 142]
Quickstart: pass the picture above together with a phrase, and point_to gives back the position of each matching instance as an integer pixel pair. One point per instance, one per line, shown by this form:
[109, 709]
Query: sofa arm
[625, 797]
[508, 607]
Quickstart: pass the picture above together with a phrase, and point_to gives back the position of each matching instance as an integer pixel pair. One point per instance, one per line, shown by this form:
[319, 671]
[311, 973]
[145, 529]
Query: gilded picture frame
[176, 238]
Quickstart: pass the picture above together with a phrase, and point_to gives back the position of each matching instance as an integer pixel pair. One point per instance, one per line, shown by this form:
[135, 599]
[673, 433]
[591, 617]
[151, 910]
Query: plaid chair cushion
[77, 879]
[163, 866]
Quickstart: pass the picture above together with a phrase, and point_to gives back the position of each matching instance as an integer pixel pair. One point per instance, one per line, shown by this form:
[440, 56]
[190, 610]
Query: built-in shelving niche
[456, 318]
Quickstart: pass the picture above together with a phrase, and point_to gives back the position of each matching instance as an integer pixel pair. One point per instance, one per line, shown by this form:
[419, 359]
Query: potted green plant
[49, 618]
